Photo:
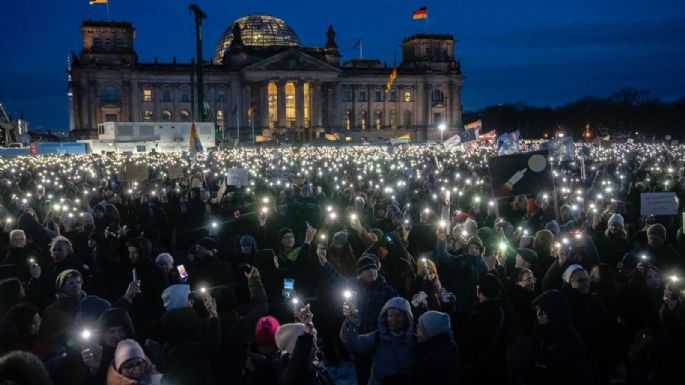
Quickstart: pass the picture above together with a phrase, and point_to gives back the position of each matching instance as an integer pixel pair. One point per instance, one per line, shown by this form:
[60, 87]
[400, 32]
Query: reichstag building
[262, 78]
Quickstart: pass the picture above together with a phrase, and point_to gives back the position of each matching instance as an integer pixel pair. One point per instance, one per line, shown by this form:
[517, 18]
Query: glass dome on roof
[258, 31]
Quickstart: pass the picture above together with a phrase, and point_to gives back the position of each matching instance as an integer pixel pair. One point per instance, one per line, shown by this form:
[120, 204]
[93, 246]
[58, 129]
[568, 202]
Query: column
[427, 106]
[280, 86]
[299, 106]
[92, 104]
[315, 105]
[370, 113]
[232, 120]
[247, 100]
[456, 116]
[263, 107]
[353, 110]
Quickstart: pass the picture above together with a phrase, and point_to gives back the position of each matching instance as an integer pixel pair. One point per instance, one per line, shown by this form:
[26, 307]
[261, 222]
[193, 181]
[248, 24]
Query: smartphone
[288, 284]
[181, 271]
[134, 274]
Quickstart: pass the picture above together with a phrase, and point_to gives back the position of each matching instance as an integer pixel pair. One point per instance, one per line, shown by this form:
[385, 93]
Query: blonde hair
[56, 240]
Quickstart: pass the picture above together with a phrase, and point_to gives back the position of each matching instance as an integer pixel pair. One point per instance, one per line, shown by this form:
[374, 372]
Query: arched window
[362, 120]
[147, 94]
[220, 119]
[407, 119]
[273, 104]
[290, 104]
[148, 115]
[437, 96]
[379, 119]
[408, 95]
[166, 116]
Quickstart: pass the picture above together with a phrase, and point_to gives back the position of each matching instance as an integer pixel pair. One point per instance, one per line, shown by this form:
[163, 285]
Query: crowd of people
[399, 260]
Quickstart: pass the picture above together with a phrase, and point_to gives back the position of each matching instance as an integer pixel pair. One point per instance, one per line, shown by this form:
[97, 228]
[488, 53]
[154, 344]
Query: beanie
[432, 323]
[66, 274]
[164, 258]
[176, 296]
[127, 350]
[116, 317]
[489, 285]
[657, 230]
[286, 336]
[91, 309]
[265, 332]
[528, 255]
[367, 261]
[616, 218]
[284, 231]
[475, 241]
[569, 272]
[208, 243]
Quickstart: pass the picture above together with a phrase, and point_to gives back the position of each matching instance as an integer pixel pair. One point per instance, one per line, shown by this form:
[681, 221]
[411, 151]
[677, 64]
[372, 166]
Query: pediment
[291, 60]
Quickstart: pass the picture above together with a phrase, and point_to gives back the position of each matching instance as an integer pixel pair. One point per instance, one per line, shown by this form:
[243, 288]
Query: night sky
[537, 52]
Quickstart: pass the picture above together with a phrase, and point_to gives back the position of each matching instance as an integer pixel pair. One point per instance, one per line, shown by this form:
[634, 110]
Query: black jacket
[437, 362]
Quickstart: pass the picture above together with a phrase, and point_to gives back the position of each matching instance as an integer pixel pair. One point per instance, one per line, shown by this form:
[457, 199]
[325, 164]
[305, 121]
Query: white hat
[616, 218]
[286, 336]
[569, 272]
[127, 350]
[176, 296]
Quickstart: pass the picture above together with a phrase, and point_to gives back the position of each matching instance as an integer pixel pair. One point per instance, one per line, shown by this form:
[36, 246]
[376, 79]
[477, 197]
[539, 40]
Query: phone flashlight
[85, 334]
[674, 278]
[265, 209]
[502, 246]
[353, 217]
[491, 203]
[442, 224]
[333, 215]
[214, 225]
[295, 301]
[347, 294]
[32, 261]
[203, 290]
[643, 257]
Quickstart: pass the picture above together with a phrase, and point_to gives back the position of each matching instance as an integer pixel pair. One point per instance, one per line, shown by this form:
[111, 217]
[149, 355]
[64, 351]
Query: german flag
[421, 13]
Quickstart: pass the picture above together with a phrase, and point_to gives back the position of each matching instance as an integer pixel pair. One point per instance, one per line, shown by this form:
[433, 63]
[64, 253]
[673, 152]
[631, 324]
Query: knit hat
[208, 243]
[528, 255]
[127, 350]
[489, 285]
[432, 323]
[163, 259]
[66, 274]
[554, 227]
[569, 272]
[475, 241]
[91, 309]
[657, 230]
[367, 261]
[286, 336]
[116, 317]
[616, 218]
[427, 263]
[265, 332]
[176, 296]
[284, 231]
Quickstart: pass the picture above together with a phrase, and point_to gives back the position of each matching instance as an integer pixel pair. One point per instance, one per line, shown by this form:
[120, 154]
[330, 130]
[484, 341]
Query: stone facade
[273, 89]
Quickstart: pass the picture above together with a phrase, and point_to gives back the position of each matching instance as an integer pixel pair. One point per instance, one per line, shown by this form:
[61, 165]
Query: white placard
[237, 177]
[662, 203]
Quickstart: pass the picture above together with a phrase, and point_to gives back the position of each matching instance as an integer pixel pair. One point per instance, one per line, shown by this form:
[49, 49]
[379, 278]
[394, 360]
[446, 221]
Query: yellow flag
[98, 2]
[393, 76]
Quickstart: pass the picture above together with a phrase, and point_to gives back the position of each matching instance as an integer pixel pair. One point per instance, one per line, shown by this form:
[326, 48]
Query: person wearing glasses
[592, 320]
[131, 366]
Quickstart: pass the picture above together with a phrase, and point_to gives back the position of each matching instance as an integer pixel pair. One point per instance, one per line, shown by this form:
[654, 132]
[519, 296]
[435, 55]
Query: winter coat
[369, 299]
[484, 343]
[58, 319]
[459, 275]
[299, 368]
[392, 355]
[522, 312]
[437, 362]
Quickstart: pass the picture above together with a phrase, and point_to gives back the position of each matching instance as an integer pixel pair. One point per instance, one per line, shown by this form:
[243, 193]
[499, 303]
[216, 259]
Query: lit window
[166, 116]
[290, 103]
[273, 104]
[307, 102]
[407, 96]
[220, 119]
[379, 119]
[147, 115]
[348, 120]
[147, 95]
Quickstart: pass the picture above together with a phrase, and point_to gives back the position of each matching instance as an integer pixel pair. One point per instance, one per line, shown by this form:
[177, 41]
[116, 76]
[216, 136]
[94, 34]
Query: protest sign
[661, 203]
[522, 173]
[133, 172]
[175, 172]
[279, 174]
[237, 177]
[561, 148]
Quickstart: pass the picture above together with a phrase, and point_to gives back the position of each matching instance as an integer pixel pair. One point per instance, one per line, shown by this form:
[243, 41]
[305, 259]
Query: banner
[477, 124]
[488, 136]
[133, 172]
[175, 172]
[508, 143]
[661, 203]
[561, 148]
[237, 177]
[470, 134]
[523, 173]
[452, 142]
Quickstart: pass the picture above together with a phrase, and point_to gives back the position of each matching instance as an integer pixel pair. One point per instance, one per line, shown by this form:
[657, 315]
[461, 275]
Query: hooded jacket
[392, 355]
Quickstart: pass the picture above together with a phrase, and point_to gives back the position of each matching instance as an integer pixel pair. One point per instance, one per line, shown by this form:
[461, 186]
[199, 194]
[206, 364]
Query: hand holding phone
[182, 272]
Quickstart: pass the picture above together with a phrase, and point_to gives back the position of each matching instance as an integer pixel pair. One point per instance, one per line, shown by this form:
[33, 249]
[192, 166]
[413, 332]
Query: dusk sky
[539, 52]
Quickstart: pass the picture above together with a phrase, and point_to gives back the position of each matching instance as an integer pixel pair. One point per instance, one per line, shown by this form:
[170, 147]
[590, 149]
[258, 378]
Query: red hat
[265, 332]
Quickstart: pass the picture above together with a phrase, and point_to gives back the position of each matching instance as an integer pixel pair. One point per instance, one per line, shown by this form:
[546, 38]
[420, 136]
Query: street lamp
[442, 127]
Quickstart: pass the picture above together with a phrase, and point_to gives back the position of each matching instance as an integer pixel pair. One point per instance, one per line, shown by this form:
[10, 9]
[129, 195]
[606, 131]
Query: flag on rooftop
[421, 13]
[92, 2]
[391, 79]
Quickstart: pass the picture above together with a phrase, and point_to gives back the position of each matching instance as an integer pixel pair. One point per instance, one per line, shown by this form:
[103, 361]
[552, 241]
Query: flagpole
[107, 4]
[361, 49]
